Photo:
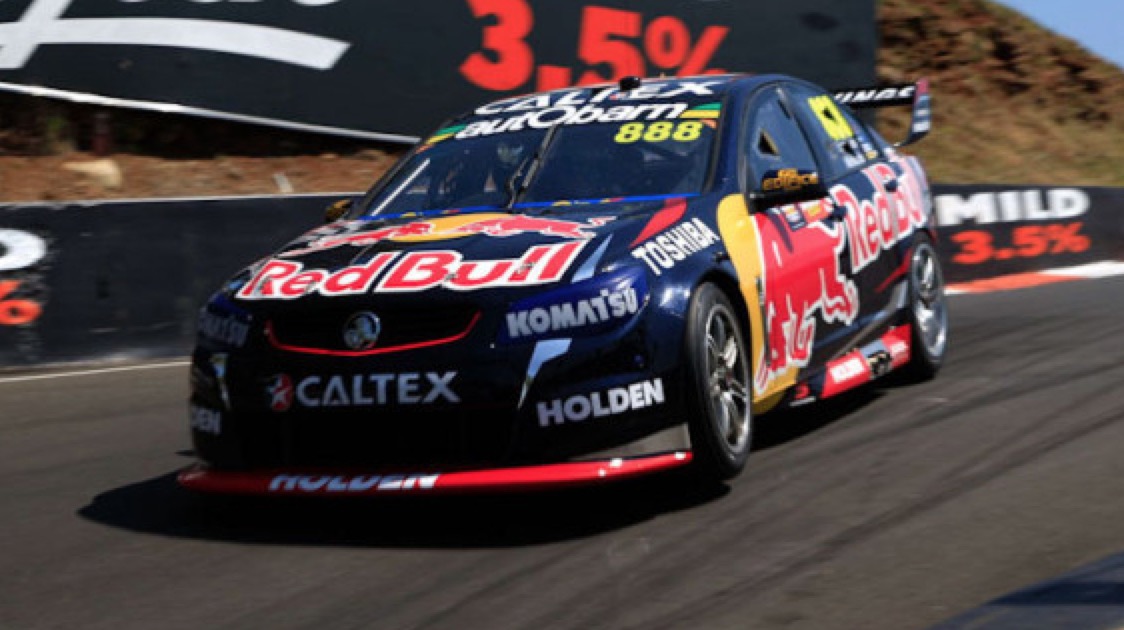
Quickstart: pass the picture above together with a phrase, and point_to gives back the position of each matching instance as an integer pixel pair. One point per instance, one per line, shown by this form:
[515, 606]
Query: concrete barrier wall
[126, 279]
[105, 280]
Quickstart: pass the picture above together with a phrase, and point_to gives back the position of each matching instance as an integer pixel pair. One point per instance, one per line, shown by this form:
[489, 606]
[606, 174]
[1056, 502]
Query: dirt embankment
[1013, 103]
[57, 151]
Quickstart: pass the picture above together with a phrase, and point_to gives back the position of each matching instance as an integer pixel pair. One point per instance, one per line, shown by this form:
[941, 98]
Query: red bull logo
[512, 225]
[444, 228]
[801, 279]
[798, 272]
[884, 219]
[412, 271]
[802, 275]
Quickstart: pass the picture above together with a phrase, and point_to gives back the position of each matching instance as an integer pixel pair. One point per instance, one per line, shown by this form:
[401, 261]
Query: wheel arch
[727, 281]
[720, 450]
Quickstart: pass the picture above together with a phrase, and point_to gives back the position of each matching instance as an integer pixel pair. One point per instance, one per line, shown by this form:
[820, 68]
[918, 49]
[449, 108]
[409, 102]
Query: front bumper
[335, 483]
[480, 403]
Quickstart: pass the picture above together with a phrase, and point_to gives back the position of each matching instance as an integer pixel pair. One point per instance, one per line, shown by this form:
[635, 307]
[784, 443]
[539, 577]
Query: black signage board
[395, 70]
[990, 230]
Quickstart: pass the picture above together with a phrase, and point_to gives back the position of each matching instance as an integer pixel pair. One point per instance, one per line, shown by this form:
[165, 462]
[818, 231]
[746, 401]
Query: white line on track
[1103, 269]
[125, 368]
[1027, 279]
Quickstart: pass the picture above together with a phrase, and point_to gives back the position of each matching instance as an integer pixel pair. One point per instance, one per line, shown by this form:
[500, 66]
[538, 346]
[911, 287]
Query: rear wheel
[928, 311]
[720, 421]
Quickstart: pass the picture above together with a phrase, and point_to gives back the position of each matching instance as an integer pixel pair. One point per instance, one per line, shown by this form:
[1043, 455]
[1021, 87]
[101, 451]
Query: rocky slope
[1013, 102]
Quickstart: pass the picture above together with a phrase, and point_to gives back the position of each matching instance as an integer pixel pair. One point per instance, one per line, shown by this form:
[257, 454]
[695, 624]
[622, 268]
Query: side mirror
[789, 185]
[336, 211]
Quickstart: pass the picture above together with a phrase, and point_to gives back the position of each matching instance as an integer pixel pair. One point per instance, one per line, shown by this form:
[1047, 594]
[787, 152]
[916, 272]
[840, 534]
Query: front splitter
[328, 483]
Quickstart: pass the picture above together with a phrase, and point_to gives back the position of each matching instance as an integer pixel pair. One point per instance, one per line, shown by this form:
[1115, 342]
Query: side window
[867, 143]
[880, 144]
[773, 139]
[841, 140]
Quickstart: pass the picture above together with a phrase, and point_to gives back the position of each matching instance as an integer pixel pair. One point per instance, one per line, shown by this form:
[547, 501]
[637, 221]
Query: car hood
[478, 233]
[565, 235]
[465, 255]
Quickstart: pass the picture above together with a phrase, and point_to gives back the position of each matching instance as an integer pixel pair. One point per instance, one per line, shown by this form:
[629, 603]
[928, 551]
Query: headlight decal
[552, 348]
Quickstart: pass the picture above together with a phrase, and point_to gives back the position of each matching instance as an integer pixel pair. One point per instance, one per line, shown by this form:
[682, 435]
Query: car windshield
[624, 160]
[564, 162]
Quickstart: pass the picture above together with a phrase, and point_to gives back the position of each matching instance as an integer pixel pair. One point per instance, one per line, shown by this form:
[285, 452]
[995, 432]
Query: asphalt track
[896, 507]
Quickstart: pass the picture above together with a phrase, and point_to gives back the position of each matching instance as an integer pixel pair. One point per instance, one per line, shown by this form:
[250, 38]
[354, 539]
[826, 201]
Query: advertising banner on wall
[395, 70]
[990, 230]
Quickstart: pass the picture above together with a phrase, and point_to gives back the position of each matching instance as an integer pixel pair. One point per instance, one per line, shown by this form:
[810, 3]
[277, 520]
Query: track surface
[892, 508]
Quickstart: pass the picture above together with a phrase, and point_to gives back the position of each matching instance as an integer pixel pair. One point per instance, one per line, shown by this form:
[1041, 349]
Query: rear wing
[913, 94]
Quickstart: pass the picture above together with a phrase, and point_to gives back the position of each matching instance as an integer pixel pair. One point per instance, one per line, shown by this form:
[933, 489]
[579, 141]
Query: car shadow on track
[159, 506]
[790, 425]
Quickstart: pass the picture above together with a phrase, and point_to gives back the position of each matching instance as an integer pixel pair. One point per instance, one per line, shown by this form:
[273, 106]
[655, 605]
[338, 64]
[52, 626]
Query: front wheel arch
[928, 311]
[718, 383]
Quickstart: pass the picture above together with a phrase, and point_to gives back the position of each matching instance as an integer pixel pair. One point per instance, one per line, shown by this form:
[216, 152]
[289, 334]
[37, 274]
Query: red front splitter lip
[334, 483]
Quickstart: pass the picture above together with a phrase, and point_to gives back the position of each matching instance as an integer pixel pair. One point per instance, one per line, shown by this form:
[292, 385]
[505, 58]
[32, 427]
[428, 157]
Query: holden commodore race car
[577, 286]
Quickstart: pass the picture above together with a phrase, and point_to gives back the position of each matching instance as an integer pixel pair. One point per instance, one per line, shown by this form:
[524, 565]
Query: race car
[574, 287]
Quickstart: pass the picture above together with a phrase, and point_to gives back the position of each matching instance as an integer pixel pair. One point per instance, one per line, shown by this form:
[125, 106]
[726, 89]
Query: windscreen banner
[395, 70]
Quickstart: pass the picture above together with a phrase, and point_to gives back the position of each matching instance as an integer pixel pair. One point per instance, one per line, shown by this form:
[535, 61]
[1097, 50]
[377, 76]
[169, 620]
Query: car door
[803, 295]
[861, 184]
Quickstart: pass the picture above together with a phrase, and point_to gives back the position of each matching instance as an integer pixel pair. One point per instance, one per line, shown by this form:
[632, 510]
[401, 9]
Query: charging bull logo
[802, 278]
[445, 228]
[797, 270]
[511, 225]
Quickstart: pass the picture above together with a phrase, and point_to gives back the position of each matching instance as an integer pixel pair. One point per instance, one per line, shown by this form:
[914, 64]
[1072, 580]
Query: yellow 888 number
[659, 132]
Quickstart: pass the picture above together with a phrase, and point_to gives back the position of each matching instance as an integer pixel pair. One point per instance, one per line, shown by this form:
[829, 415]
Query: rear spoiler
[913, 94]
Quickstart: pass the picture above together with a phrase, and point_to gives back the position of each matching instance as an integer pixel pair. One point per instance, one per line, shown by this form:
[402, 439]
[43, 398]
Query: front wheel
[928, 311]
[717, 360]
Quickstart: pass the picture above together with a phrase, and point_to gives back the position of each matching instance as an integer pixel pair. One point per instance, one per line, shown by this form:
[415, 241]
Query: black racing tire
[719, 387]
[928, 311]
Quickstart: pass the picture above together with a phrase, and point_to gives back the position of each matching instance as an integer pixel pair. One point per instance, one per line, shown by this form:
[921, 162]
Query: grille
[400, 329]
